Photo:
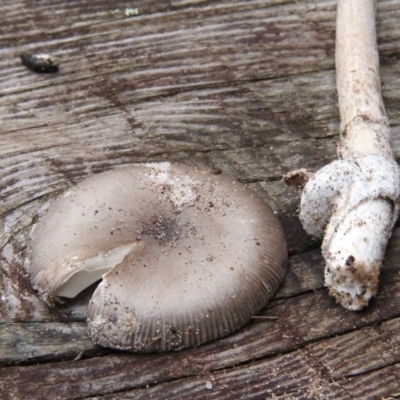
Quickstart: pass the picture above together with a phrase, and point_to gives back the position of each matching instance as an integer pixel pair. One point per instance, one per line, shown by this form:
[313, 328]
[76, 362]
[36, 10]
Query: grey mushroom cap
[185, 256]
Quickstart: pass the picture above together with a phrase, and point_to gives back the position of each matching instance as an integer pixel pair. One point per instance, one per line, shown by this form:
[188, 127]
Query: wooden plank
[247, 87]
[287, 377]
[36, 341]
[44, 322]
[306, 373]
[181, 121]
[313, 368]
[305, 274]
[53, 340]
[59, 155]
[301, 320]
[301, 278]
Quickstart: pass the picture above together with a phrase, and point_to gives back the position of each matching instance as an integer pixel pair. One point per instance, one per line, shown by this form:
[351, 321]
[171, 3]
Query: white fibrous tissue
[180, 189]
[353, 205]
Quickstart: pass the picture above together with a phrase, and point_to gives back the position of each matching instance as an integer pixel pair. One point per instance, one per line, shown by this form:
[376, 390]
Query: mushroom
[353, 202]
[185, 256]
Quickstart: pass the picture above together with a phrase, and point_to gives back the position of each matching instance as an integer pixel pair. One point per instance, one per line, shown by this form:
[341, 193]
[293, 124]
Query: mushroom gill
[185, 257]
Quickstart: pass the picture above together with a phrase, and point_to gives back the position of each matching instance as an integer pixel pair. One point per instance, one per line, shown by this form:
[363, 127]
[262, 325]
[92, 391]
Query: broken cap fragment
[185, 256]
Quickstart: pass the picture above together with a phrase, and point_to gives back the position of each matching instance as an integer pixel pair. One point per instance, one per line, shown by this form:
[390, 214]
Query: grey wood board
[245, 87]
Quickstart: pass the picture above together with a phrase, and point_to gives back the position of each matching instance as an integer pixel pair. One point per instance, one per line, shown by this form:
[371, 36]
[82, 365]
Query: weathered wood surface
[247, 87]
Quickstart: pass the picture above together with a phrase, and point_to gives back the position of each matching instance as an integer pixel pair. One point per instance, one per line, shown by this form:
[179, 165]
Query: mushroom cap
[185, 256]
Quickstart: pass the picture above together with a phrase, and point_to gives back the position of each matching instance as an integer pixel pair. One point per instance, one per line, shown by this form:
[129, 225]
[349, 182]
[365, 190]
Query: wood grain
[246, 87]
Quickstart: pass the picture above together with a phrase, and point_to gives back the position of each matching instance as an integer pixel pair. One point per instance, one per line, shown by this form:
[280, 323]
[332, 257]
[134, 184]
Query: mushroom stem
[364, 126]
[353, 202]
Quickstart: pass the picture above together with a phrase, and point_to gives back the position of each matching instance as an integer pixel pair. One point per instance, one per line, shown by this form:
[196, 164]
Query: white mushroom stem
[353, 202]
[364, 126]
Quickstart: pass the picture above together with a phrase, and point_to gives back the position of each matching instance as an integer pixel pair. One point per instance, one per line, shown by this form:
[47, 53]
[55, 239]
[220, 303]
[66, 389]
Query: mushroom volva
[185, 256]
